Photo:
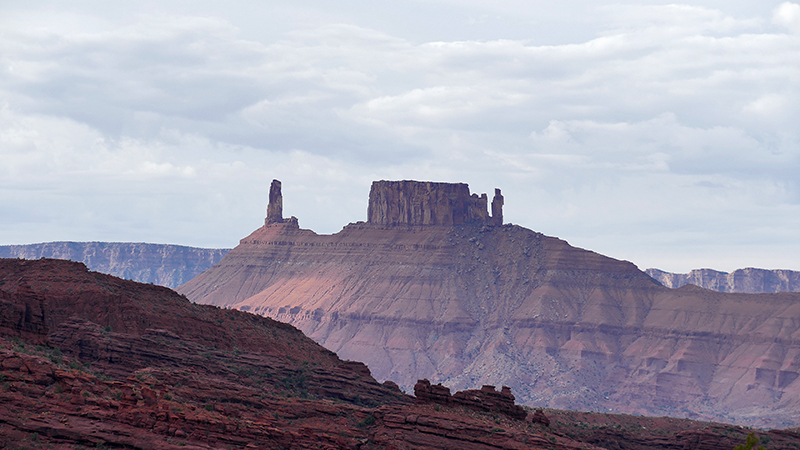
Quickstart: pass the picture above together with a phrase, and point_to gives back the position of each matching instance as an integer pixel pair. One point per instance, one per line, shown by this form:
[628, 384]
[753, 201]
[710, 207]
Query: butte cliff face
[432, 286]
[394, 203]
[165, 265]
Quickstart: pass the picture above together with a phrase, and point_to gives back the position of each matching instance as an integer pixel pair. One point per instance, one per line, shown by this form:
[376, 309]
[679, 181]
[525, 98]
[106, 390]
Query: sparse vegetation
[367, 422]
[750, 443]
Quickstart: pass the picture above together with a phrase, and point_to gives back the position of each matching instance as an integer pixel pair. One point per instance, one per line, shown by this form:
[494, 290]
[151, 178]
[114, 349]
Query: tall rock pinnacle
[275, 206]
[497, 208]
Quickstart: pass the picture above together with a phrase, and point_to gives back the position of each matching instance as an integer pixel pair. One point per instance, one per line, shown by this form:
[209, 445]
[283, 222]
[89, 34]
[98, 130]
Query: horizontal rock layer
[749, 280]
[162, 264]
[503, 305]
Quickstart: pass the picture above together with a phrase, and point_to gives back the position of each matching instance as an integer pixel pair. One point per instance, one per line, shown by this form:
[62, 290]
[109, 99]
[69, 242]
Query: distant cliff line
[749, 280]
[172, 265]
[161, 264]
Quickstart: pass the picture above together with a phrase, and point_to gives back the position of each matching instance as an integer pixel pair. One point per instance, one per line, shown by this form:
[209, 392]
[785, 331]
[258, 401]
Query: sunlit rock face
[466, 301]
[749, 280]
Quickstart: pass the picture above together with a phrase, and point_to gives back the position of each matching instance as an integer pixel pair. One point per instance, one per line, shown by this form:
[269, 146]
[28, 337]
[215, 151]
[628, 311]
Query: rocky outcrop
[749, 280]
[165, 265]
[426, 203]
[540, 417]
[123, 326]
[473, 304]
[487, 399]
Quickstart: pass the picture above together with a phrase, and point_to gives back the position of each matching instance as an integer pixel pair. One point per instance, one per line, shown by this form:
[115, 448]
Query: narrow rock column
[497, 208]
[275, 206]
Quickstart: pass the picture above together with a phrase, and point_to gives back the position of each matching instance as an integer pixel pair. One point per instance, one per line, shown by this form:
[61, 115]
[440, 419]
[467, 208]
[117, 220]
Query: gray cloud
[659, 133]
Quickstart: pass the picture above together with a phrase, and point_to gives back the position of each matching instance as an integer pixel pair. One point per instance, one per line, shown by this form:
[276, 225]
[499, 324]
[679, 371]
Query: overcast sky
[663, 134]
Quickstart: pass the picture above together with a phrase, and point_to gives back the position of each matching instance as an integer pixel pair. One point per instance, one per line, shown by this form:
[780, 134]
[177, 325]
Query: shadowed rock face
[275, 205]
[749, 280]
[428, 203]
[476, 304]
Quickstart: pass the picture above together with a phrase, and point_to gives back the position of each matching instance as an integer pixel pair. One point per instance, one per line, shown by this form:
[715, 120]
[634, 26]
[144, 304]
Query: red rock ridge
[486, 399]
[89, 360]
[183, 376]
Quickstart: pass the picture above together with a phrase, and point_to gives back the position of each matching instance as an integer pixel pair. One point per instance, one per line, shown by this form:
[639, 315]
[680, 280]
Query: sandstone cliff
[165, 265]
[749, 280]
[477, 303]
[428, 203]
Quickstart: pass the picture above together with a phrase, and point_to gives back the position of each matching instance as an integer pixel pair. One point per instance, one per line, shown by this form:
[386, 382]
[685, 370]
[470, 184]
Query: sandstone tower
[428, 203]
[275, 206]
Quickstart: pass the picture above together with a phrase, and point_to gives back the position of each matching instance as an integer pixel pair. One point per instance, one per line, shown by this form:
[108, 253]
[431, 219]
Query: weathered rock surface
[89, 360]
[486, 399]
[468, 305]
[165, 265]
[749, 280]
[429, 203]
[624, 432]
[173, 375]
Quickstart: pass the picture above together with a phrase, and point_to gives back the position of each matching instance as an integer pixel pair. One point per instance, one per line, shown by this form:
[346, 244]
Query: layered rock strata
[486, 399]
[89, 360]
[476, 303]
[748, 280]
[428, 203]
[165, 265]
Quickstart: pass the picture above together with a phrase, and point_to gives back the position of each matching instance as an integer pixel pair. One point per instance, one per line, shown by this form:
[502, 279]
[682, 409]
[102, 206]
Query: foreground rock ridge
[749, 280]
[162, 264]
[92, 361]
[478, 303]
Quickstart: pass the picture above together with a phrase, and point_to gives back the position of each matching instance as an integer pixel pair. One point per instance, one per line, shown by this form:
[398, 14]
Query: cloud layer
[662, 134]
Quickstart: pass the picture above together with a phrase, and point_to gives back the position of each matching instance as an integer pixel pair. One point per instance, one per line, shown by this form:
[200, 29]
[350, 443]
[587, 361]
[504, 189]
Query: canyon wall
[748, 280]
[477, 303]
[165, 265]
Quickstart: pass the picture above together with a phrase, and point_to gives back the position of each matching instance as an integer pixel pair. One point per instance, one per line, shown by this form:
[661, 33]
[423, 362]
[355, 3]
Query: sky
[665, 134]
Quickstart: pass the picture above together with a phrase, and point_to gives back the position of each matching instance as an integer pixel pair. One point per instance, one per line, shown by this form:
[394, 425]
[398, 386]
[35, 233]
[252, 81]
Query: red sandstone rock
[154, 384]
[149, 381]
[539, 417]
[486, 399]
[472, 304]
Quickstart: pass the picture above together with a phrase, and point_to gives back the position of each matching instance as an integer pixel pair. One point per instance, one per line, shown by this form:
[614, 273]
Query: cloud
[788, 15]
[168, 126]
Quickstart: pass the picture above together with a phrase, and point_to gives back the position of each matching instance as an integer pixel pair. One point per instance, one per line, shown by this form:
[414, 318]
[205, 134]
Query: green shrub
[750, 443]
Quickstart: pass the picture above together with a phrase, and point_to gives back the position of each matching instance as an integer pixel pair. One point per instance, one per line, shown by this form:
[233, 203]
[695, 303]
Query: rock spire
[497, 208]
[275, 206]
